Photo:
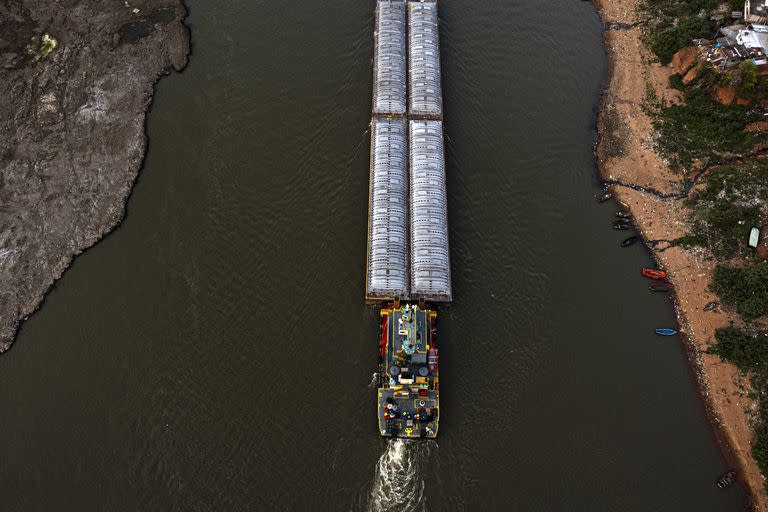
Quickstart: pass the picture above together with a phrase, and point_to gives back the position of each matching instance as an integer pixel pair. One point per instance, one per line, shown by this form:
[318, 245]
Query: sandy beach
[625, 153]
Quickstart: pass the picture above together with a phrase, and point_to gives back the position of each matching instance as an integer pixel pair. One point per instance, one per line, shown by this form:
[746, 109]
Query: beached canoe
[660, 287]
[654, 273]
[620, 226]
[666, 332]
[628, 241]
[726, 479]
[623, 215]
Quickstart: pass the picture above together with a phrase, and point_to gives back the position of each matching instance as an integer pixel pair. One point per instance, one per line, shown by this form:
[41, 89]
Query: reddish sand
[625, 152]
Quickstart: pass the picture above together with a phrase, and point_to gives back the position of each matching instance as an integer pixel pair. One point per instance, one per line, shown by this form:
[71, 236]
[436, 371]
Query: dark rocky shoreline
[78, 78]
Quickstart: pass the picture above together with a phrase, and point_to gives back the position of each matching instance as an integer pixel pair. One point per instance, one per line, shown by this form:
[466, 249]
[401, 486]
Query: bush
[728, 206]
[700, 127]
[746, 289]
[687, 241]
[666, 42]
[744, 351]
[749, 354]
[748, 73]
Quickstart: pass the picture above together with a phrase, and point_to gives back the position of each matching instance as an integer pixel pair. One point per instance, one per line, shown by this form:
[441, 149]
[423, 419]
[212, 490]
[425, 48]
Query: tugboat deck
[408, 397]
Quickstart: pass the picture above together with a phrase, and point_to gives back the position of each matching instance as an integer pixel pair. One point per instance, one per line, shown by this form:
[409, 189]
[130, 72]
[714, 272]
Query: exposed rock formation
[77, 78]
[693, 73]
[757, 127]
[724, 94]
[684, 60]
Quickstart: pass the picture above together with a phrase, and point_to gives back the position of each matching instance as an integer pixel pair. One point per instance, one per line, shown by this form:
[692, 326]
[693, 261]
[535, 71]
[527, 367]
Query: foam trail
[398, 484]
[374, 380]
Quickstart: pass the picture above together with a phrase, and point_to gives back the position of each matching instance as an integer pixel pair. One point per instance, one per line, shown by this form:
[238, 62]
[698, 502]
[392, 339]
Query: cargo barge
[408, 264]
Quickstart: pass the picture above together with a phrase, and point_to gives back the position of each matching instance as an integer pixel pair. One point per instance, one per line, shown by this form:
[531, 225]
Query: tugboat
[654, 273]
[727, 479]
[409, 392]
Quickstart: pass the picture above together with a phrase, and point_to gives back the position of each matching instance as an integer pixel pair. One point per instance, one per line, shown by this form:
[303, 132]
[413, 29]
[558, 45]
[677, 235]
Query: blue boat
[666, 332]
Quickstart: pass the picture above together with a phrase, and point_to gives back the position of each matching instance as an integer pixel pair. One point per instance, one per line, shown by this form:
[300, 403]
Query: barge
[408, 263]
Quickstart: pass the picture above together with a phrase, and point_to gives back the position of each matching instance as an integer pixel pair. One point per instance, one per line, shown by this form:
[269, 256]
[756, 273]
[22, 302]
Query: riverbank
[78, 88]
[625, 153]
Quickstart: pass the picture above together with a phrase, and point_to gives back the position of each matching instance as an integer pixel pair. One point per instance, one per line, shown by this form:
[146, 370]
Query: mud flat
[625, 153]
[77, 81]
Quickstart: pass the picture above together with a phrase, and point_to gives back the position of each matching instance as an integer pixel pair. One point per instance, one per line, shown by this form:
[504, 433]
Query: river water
[214, 353]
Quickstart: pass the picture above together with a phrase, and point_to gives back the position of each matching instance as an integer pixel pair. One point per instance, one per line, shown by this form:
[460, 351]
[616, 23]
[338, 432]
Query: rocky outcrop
[724, 94]
[684, 60]
[77, 80]
[693, 73]
[757, 127]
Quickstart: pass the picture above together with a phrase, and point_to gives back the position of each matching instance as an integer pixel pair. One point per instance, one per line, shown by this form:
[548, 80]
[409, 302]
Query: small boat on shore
[666, 332]
[654, 273]
[605, 197]
[628, 241]
[660, 287]
[620, 226]
[726, 479]
[623, 215]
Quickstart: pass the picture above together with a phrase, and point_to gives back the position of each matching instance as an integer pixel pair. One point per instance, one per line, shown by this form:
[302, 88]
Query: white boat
[754, 237]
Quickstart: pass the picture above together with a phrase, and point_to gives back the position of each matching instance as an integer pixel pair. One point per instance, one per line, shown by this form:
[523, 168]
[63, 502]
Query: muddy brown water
[214, 353]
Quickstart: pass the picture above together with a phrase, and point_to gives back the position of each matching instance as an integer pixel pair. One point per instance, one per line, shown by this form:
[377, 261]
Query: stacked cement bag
[388, 217]
[389, 82]
[430, 262]
[425, 97]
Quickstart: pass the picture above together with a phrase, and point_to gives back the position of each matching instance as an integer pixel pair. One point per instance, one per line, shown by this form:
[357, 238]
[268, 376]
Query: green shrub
[666, 42]
[750, 355]
[687, 241]
[701, 127]
[728, 206]
[748, 73]
[746, 289]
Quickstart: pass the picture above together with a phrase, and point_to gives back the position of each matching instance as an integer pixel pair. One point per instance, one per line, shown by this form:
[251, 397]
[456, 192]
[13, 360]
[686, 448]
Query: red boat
[660, 287]
[654, 273]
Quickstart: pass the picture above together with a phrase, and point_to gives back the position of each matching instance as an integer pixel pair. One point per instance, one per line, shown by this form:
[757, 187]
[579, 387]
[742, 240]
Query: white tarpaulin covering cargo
[389, 72]
[388, 216]
[430, 265]
[424, 60]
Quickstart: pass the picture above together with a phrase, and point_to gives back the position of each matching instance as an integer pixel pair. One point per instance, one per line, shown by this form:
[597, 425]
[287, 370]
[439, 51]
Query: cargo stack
[430, 262]
[408, 254]
[387, 269]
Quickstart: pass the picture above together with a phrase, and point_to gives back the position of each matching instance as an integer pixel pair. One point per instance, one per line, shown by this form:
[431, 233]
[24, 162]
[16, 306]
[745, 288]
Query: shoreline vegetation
[683, 147]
